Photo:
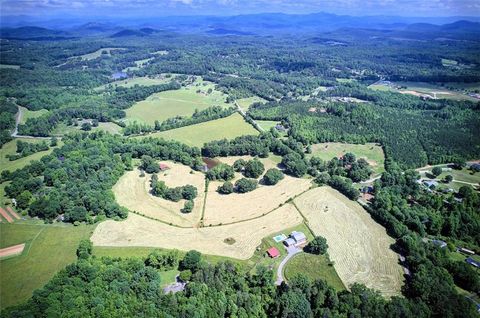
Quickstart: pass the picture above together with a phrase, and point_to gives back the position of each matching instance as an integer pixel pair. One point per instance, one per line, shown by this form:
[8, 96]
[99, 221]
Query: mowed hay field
[142, 232]
[48, 249]
[358, 245]
[181, 102]
[371, 152]
[235, 207]
[132, 192]
[196, 135]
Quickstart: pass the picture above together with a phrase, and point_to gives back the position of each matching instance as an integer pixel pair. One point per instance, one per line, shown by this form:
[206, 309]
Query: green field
[447, 62]
[10, 66]
[373, 153]
[245, 103]
[142, 81]
[27, 114]
[314, 267]
[139, 64]
[49, 248]
[11, 148]
[182, 102]
[267, 124]
[63, 129]
[463, 175]
[196, 135]
[97, 53]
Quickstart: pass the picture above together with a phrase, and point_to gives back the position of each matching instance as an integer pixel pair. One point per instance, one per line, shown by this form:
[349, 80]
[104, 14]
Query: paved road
[15, 134]
[291, 252]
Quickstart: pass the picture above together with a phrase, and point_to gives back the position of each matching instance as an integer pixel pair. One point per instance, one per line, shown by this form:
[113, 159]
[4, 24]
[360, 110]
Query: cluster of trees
[27, 148]
[251, 169]
[77, 178]
[317, 246]
[187, 192]
[221, 171]
[211, 113]
[7, 119]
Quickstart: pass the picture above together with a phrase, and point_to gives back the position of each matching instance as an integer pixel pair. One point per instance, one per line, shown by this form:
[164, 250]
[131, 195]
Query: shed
[273, 252]
[164, 166]
[473, 262]
[467, 251]
[439, 243]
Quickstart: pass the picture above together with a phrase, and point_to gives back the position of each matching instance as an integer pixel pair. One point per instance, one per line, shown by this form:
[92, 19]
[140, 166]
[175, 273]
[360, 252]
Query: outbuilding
[273, 252]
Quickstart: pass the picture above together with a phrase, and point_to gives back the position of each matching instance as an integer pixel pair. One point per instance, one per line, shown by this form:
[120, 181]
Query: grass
[447, 62]
[10, 66]
[139, 64]
[314, 267]
[142, 81]
[464, 175]
[373, 153]
[245, 103]
[181, 102]
[11, 148]
[63, 129]
[49, 248]
[196, 135]
[98, 53]
[267, 124]
[346, 80]
[27, 114]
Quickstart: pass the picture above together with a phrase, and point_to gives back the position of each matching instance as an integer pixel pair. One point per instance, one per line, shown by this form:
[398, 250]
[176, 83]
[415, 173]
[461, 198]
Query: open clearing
[314, 267]
[62, 129]
[196, 135]
[139, 64]
[266, 124]
[181, 102]
[12, 250]
[132, 192]
[245, 103]
[371, 152]
[98, 53]
[234, 207]
[27, 114]
[140, 231]
[141, 81]
[48, 249]
[10, 66]
[11, 148]
[358, 245]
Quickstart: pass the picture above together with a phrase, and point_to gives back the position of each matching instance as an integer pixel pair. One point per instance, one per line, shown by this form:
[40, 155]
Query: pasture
[245, 103]
[48, 249]
[11, 148]
[314, 267]
[133, 192]
[138, 65]
[181, 102]
[371, 152]
[196, 135]
[62, 129]
[266, 124]
[141, 81]
[358, 245]
[139, 231]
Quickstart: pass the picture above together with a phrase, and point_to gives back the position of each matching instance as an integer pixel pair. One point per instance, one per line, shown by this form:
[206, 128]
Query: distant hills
[256, 24]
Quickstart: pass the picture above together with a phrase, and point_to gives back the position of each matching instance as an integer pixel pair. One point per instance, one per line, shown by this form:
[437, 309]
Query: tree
[149, 164]
[53, 142]
[244, 185]
[253, 169]
[448, 178]
[294, 164]
[191, 261]
[221, 172]
[272, 176]
[188, 206]
[436, 171]
[189, 192]
[225, 188]
[84, 249]
[239, 165]
[23, 200]
[317, 246]
[86, 126]
[185, 275]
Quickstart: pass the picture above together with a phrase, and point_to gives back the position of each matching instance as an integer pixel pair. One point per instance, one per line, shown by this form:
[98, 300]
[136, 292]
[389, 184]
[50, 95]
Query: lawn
[314, 267]
[267, 124]
[98, 53]
[196, 135]
[373, 153]
[63, 129]
[139, 64]
[181, 102]
[463, 175]
[27, 114]
[49, 248]
[245, 103]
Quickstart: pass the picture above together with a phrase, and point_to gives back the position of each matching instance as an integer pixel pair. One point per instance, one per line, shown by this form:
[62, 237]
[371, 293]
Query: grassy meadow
[98, 53]
[373, 153]
[11, 148]
[27, 114]
[196, 135]
[141, 81]
[245, 103]
[62, 129]
[314, 267]
[267, 124]
[49, 248]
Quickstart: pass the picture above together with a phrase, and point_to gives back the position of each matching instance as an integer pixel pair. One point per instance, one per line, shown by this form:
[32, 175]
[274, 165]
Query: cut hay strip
[5, 215]
[12, 250]
[13, 213]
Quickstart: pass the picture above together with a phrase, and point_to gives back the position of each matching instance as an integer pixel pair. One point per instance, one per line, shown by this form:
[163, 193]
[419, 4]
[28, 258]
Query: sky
[56, 8]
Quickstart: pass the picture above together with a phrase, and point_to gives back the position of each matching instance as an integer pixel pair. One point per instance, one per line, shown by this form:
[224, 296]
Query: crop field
[371, 152]
[132, 192]
[181, 102]
[140, 231]
[142, 81]
[314, 267]
[196, 135]
[48, 249]
[358, 245]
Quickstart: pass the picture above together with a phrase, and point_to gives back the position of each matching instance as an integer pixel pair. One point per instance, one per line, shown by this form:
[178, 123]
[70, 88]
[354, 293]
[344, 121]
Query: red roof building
[273, 252]
[164, 167]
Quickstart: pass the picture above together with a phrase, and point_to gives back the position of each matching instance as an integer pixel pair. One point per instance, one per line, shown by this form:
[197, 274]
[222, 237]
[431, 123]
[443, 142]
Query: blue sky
[231, 7]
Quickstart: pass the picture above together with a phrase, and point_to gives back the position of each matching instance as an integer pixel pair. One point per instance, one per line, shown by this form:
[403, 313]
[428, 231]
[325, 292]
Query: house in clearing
[295, 239]
[273, 252]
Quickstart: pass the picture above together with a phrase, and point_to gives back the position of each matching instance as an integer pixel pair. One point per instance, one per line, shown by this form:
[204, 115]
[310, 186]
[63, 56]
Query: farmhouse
[295, 239]
[273, 252]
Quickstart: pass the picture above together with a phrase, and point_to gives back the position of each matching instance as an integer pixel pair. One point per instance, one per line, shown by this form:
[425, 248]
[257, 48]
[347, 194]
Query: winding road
[292, 251]
[18, 119]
